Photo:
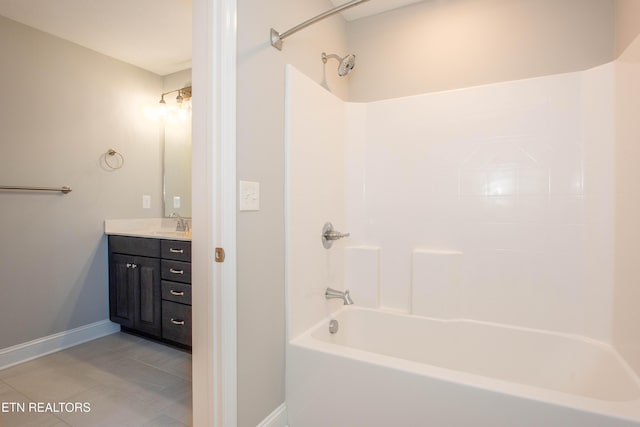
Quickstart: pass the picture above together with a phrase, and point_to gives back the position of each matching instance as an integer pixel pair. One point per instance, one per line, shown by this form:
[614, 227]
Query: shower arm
[325, 57]
[277, 38]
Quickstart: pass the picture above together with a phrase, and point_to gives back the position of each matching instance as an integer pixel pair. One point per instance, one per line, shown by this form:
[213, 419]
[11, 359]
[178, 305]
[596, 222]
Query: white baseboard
[277, 418]
[30, 350]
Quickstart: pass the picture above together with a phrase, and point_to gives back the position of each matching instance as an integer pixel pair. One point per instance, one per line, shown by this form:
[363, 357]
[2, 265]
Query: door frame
[214, 213]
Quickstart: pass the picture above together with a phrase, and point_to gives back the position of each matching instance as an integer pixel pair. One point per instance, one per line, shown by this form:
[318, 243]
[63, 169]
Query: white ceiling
[151, 34]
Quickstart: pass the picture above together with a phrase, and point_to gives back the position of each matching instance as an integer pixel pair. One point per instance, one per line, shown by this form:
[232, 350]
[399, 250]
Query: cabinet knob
[177, 322]
[128, 265]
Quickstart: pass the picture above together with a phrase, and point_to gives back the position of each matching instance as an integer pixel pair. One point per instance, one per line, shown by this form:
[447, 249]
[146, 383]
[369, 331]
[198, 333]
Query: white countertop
[154, 228]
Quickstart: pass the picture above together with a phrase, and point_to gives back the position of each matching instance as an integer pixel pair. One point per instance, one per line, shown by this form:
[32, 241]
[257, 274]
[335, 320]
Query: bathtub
[384, 369]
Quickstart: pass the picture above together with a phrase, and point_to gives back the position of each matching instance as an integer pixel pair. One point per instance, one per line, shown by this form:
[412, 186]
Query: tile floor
[124, 379]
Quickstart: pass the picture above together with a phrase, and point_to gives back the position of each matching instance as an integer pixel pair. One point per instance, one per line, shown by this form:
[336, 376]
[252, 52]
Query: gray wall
[260, 157]
[440, 45]
[63, 107]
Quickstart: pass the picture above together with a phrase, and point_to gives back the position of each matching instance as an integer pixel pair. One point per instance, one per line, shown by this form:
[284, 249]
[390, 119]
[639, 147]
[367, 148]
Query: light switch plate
[146, 201]
[176, 202]
[249, 196]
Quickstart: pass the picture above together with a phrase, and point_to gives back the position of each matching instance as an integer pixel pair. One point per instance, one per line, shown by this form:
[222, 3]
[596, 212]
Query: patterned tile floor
[119, 380]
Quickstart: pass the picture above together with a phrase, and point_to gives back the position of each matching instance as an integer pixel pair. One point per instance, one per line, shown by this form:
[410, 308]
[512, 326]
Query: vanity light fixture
[183, 94]
[180, 109]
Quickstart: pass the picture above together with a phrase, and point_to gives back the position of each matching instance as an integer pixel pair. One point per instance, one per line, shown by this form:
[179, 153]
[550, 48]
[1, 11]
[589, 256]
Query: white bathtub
[387, 370]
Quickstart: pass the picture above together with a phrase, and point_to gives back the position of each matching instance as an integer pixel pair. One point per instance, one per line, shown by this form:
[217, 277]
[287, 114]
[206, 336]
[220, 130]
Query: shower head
[346, 64]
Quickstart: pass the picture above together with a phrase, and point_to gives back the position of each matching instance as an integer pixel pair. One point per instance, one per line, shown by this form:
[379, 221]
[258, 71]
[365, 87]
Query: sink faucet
[182, 224]
[332, 293]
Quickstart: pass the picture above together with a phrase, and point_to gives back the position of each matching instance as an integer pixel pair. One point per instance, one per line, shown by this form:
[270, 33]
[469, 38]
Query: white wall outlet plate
[249, 196]
[146, 201]
[176, 202]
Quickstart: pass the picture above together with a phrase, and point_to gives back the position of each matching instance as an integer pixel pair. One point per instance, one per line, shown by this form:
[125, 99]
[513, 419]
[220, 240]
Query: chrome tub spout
[345, 296]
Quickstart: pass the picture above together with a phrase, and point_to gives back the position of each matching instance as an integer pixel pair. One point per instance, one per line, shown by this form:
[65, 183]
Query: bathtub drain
[333, 326]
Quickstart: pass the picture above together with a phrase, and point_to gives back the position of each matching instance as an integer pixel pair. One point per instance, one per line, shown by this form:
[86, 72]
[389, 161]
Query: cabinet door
[121, 291]
[148, 295]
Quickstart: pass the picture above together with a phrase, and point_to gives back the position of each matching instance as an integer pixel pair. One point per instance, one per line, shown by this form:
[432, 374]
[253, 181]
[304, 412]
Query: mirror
[177, 153]
[177, 167]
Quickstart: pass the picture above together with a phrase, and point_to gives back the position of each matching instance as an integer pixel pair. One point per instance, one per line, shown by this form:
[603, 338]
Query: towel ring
[111, 153]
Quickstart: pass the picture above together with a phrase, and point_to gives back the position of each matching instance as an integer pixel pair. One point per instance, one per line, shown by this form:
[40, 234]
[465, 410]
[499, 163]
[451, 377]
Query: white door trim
[214, 213]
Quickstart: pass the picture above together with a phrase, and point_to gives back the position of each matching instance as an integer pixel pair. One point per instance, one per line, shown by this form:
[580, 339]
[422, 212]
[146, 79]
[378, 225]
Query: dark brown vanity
[150, 287]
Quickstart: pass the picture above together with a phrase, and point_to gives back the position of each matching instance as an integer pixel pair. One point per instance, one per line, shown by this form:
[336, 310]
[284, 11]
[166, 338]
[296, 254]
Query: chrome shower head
[346, 64]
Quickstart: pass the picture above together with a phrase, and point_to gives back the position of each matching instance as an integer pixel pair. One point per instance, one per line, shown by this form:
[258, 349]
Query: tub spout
[332, 293]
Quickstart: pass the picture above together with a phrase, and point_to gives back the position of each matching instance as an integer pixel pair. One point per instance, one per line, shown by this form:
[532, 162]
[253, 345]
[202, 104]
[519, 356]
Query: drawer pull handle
[176, 251]
[176, 293]
[177, 322]
[176, 271]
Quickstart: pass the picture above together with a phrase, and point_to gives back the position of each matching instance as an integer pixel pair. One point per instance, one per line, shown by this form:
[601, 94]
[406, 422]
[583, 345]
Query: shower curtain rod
[277, 38]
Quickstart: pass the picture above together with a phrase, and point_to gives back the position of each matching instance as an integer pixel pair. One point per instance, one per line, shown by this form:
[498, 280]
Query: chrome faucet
[332, 293]
[182, 224]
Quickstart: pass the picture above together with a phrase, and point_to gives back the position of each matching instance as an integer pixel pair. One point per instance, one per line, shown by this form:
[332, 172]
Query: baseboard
[30, 350]
[277, 418]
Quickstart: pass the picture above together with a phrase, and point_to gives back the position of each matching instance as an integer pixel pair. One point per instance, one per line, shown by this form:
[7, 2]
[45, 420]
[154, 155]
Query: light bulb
[162, 109]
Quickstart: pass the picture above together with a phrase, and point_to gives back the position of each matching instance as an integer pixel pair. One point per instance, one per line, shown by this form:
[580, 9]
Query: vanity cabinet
[150, 287]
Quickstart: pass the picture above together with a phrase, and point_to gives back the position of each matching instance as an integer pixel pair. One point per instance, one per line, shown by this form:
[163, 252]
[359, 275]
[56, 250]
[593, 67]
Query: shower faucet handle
[335, 235]
[329, 235]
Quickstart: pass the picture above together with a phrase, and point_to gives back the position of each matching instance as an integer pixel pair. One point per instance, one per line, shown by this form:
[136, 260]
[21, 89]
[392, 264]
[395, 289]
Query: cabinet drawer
[177, 250]
[177, 292]
[176, 322]
[176, 271]
[135, 246]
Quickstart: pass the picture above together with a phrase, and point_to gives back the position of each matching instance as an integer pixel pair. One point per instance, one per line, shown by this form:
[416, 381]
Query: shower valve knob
[329, 235]
[335, 235]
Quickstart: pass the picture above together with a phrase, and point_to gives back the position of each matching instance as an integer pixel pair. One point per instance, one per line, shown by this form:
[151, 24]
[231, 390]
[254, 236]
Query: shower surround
[493, 203]
[504, 192]
[505, 189]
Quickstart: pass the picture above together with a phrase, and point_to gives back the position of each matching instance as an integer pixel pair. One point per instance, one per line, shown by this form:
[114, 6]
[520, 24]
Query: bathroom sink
[155, 228]
[172, 233]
